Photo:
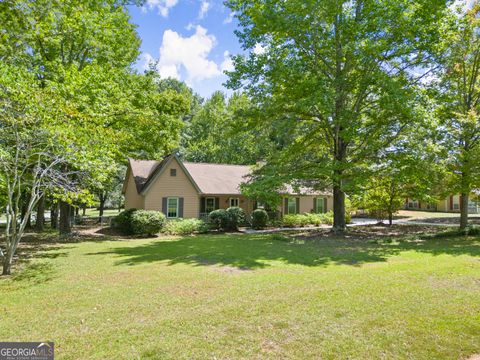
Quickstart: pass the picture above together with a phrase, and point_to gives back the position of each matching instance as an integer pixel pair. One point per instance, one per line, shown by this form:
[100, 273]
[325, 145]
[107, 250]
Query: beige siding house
[192, 190]
[450, 204]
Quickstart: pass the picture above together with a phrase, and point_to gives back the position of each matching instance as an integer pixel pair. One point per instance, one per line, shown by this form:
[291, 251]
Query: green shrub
[298, 220]
[147, 222]
[123, 221]
[237, 217]
[185, 227]
[259, 219]
[219, 219]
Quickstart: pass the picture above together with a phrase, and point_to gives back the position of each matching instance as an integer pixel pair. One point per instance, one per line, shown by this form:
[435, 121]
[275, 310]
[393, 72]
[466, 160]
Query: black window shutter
[286, 206]
[164, 205]
[325, 205]
[180, 207]
[202, 204]
[298, 206]
[217, 203]
[314, 205]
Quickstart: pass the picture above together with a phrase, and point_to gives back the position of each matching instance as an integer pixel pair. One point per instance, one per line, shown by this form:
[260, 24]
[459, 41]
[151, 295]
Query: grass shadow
[256, 252]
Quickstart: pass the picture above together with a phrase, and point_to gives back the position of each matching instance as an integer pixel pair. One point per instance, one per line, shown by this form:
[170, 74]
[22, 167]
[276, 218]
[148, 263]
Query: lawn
[249, 296]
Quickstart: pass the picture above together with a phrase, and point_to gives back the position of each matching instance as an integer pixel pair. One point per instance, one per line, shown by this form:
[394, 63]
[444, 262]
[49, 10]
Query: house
[192, 190]
[450, 204]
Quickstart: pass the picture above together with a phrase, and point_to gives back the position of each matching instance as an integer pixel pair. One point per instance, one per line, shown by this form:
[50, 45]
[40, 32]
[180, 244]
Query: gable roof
[208, 179]
[218, 179]
[141, 171]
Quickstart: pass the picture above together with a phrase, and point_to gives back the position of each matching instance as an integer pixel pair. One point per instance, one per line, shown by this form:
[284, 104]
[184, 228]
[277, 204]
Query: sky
[191, 39]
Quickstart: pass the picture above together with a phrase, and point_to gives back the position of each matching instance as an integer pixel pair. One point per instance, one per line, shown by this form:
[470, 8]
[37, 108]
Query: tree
[29, 159]
[84, 50]
[459, 105]
[219, 132]
[338, 77]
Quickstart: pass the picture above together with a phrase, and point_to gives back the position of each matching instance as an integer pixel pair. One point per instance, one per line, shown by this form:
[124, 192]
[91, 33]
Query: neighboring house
[192, 190]
[449, 204]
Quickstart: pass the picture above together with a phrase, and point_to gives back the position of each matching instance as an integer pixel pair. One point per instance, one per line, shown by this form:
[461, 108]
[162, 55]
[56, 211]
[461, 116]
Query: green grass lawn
[241, 296]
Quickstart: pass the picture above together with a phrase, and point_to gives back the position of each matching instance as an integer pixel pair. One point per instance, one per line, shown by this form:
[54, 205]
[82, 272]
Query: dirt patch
[474, 357]
[230, 269]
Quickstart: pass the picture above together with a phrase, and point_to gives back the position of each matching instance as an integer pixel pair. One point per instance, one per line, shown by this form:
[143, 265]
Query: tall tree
[338, 76]
[219, 132]
[459, 98]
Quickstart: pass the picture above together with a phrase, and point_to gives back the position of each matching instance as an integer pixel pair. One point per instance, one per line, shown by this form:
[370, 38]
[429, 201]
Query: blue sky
[191, 39]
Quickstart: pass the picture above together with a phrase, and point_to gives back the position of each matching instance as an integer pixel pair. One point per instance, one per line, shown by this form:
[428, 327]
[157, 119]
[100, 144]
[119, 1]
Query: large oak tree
[338, 77]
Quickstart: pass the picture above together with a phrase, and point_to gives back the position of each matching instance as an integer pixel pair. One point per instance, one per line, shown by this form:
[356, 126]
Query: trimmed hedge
[147, 222]
[294, 220]
[219, 219]
[139, 222]
[237, 217]
[185, 227]
[227, 220]
[259, 219]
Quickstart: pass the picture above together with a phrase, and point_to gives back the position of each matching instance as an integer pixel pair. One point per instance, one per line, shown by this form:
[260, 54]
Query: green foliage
[299, 220]
[219, 133]
[123, 221]
[219, 219]
[259, 219]
[147, 222]
[237, 217]
[185, 227]
[338, 79]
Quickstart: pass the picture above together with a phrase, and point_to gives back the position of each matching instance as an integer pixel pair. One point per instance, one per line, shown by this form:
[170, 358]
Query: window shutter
[298, 206]
[325, 205]
[254, 205]
[314, 205]
[202, 204]
[286, 206]
[180, 207]
[164, 205]
[451, 202]
[217, 203]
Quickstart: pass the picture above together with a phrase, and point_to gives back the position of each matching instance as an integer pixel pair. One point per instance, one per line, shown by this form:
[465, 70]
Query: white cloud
[229, 18]
[147, 60]
[163, 6]
[204, 7]
[259, 49]
[227, 64]
[188, 53]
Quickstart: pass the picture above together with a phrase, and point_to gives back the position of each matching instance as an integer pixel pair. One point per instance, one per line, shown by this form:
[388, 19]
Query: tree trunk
[390, 218]
[338, 209]
[103, 198]
[464, 210]
[7, 263]
[64, 227]
[40, 214]
[84, 210]
[54, 216]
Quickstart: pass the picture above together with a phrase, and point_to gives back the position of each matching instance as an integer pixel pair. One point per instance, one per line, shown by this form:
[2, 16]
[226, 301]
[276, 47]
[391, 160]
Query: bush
[297, 220]
[259, 219]
[185, 227]
[147, 222]
[123, 221]
[219, 219]
[237, 217]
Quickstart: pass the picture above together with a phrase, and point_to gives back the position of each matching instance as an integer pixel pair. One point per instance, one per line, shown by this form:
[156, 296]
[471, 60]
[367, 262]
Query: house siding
[133, 200]
[173, 186]
[306, 203]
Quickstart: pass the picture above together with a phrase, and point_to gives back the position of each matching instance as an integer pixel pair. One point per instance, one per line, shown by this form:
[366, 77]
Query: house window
[234, 202]
[172, 207]
[292, 206]
[319, 205]
[209, 204]
[412, 204]
[456, 202]
[173, 172]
